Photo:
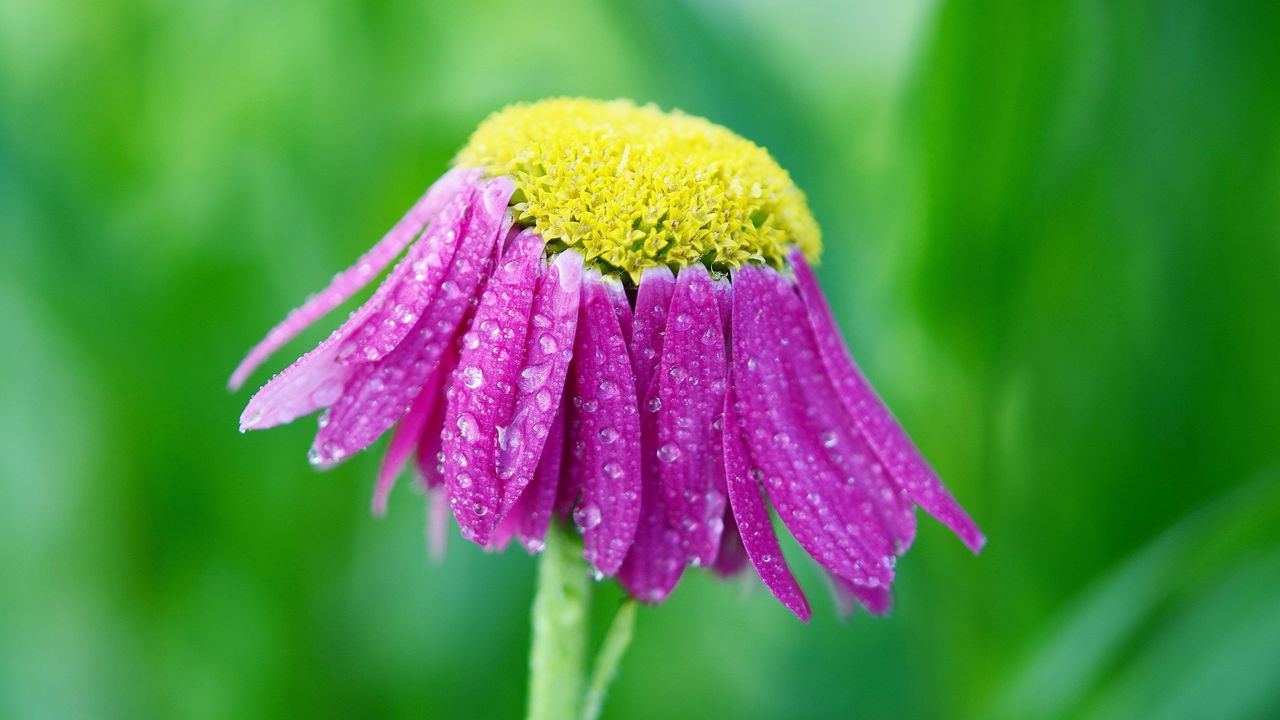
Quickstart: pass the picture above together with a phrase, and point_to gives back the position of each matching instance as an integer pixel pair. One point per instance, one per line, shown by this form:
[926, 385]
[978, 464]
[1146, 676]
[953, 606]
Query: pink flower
[542, 366]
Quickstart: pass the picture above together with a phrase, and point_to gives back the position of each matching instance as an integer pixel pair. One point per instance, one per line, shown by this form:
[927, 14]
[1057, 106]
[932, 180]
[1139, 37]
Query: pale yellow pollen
[635, 187]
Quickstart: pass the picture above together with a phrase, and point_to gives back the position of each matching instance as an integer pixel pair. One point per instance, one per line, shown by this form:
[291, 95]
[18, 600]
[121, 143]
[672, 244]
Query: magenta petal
[348, 282]
[732, 556]
[885, 520]
[891, 443]
[876, 600]
[755, 527]
[653, 299]
[548, 350]
[378, 393]
[687, 394]
[406, 437]
[408, 292]
[429, 457]
[483, 394]
[656, 561]
[317, 378]
[783, 441]
[607, 430]
[532, 510]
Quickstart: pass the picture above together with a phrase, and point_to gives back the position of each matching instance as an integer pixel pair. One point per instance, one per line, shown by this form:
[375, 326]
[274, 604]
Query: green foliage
[1052, 235]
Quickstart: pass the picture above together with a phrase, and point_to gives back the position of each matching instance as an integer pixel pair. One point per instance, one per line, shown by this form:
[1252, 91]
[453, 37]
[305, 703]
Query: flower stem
[615, 644]
[558, 651]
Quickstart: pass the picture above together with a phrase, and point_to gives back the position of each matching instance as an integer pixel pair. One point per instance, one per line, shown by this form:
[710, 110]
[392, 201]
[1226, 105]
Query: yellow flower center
[634, 187]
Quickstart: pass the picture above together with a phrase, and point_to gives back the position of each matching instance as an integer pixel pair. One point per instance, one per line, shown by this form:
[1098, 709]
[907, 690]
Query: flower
[608, 316]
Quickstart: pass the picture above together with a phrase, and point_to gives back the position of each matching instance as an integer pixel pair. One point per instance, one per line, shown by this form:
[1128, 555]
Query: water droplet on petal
[472, 376]
[586, 516]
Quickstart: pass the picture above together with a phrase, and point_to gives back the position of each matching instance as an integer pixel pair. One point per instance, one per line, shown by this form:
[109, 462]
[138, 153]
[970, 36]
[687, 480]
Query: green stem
[557, 654]
[615, 644]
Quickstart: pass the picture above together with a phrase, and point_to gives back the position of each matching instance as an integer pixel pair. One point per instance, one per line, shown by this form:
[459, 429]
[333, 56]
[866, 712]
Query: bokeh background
[1053, 239]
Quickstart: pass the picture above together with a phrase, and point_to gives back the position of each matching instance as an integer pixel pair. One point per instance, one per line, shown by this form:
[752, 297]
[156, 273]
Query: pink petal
[316, 379]
[429, 457]
[483, 394]
[656, 560]
[607, 428]
[407, 295]
[891, 443]
[876, 600]
[548, 350]
[406, 437]
[653, 299]
[532, 510]
[783, 441]
[755, 527]
[378, 393]
[732, 556]
[885, 520]
[687, 395]
[436, 528]
[350, 281]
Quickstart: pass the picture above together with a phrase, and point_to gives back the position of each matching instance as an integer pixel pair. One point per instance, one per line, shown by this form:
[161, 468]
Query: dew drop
[669, 452]
[534, 377]
[472, 376]
[468, 426]
[586, 516]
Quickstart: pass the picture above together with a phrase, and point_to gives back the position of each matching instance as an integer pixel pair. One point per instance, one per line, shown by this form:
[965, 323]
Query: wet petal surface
[350, 281]
[755, 526]
[378, 393]
[883, 432]
[656, 561]
[484, 391]
[784, 444]
[687, 395]
[607, 427]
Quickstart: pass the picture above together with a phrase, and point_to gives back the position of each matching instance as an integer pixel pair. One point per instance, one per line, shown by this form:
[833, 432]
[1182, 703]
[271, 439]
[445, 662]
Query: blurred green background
[1053, 238]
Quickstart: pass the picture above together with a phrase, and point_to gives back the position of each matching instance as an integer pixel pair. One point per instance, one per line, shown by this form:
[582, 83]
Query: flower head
[605, 314]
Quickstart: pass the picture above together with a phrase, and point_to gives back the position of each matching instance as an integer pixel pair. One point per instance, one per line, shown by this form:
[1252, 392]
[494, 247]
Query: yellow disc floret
[635, 187]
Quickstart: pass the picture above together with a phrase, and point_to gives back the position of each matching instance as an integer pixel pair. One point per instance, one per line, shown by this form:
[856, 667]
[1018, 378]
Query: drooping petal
[407, 295]
[653, 300]
[607, 429]
[317, 379]
[880, 520]
[429, 458]
[688, 391]
[876, 600]
[755, 527]
[732, 556]
[436, 529]
[350, 281]
[882, 431]
[480, 401]
[407, 435]
[570, 490]
[532, 510]
[378, 393]
[548, 350]
[656, 561]
[782, 440]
